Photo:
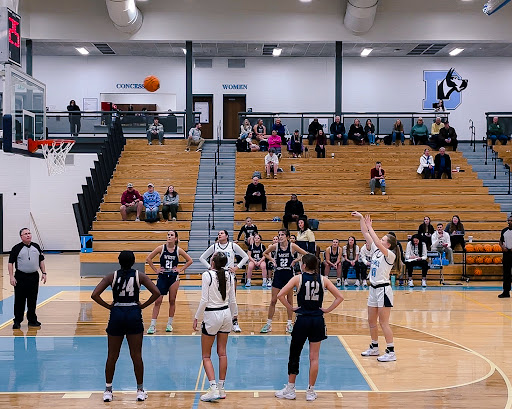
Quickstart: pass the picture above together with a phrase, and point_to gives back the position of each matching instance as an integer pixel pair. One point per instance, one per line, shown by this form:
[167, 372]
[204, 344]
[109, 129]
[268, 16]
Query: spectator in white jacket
[156, 129]
[426, 168]
[441, 242]
[416, 256]
[271, 163]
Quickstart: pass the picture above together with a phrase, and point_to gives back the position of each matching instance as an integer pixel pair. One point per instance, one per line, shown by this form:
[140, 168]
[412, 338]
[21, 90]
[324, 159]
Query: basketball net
[54, 152]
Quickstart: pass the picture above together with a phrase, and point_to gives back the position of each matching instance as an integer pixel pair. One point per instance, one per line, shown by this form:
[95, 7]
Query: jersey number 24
[128, 288]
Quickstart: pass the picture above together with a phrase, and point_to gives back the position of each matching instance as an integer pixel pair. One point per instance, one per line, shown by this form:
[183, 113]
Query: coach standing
[506, 245]
[27, 258]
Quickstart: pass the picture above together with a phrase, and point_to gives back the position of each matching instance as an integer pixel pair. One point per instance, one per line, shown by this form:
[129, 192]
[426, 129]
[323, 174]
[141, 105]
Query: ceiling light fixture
[184, 51]
[366, 52]
[456, 51]
[82, 50]
[276, 52]
[305, 1]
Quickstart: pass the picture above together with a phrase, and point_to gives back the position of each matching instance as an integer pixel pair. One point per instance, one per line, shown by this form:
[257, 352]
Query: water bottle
[292, 168]
[393, 280]
[332, 155]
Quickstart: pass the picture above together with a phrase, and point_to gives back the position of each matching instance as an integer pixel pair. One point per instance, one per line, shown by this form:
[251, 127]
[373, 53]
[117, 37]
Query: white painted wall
[26, 187]
[291, 84]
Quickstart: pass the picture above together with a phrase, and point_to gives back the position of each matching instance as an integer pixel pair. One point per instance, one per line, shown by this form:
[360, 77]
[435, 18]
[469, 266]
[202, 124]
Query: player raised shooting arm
[338, 298]
[151, 256]
[283, 293]
[102, 286]
[373, 235]
[188, 261]
[207, 254]
[268, 252]
[155, 292]
[364, 228]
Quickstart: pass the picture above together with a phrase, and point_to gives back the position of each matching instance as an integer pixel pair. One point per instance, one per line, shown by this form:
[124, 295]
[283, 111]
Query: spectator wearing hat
[151, 203]
[338, 132]
[255, 193]
[155, 129]
[131, 201]
[296, 144]
[271, 163]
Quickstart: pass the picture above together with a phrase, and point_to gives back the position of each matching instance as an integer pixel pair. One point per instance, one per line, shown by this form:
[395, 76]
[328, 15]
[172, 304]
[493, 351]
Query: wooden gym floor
[452, 344]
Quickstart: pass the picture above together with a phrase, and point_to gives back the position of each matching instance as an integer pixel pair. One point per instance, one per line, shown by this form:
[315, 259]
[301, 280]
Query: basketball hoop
[54, 152]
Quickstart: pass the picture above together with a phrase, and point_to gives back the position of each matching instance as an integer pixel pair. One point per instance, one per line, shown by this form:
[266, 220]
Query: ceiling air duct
[125, 15]
[360, 15]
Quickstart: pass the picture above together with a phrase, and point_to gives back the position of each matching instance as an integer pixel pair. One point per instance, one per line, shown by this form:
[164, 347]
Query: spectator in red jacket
[377, 179]
[131, 201]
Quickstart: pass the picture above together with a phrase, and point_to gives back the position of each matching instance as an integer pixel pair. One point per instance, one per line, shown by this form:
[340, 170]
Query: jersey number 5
[128, 288]
[312, 290]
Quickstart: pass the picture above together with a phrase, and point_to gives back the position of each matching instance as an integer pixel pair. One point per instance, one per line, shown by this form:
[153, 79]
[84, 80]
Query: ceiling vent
[268, 49]
[104, 48]
[236, 63]
[427, 49]
[203, 63]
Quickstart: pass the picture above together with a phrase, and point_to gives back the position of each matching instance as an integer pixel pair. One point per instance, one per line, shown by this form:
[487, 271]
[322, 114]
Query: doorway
[204, 104]
[233, 104]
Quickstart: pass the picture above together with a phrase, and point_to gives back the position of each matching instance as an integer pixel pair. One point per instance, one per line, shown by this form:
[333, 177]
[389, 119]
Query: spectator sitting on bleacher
[305, 238]
[447, 136]
[369, 130]
[443, 164]
[436, 127]
[351, 259]
[293, 210]
[338, 131]
[271, 163]
[259, 130]
[246, 129]
[296, 144]
[194, 138]
[170, 204]
[455, 229]
[313, 129]
[248, 230]
[398, 130]
[441, 242]
[151, 203]
[495, 132]
[274, 141]
[356, 132]
[332, 259]
[256, 260]
[365, 259]
[131, 201]
[425, 231]
[377, 179]
[426, 168]
[155, 129]
[416, 255]
[419, 133]
[280, 129]
[255, 193]
[321, 140]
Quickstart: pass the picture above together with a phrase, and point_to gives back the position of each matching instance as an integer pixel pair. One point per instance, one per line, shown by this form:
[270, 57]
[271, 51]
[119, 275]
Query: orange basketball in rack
[470, 248]
[488, 260]
[497, 260]
[488, 248]
[479, 248]
[496, 248]
[478, 271]
[151, 83]
[470, 260]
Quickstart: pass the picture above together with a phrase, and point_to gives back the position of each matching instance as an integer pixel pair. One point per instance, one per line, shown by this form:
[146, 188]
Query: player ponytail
[310, 263]
[219, 262]
[395, 249]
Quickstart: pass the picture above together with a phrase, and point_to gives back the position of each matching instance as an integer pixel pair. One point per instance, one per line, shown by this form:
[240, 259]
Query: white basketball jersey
[228, 250]
[380, 266]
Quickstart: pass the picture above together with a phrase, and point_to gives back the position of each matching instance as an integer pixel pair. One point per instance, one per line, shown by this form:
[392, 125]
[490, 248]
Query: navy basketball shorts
[310, 327]
[281, 277]
[165, 280]
[125, 321]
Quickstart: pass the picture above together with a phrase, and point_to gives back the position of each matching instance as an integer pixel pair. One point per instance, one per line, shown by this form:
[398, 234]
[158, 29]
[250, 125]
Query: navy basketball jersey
[284, 258]
[310, 295]
[169, 260]
[333, 258]
[257, 251]
[126, 287]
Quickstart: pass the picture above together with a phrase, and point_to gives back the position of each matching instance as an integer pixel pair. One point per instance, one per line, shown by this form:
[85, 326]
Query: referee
[506, 245]
[27, 258]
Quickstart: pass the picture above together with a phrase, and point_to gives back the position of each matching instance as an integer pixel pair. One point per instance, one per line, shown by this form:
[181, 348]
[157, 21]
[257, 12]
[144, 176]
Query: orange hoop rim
[34, 145]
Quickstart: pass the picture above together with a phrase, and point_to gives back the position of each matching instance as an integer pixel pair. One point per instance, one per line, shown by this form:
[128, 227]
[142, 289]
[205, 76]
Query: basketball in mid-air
[151, 83]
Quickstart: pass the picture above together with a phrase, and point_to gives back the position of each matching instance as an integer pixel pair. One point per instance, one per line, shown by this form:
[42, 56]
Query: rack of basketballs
[480, 257]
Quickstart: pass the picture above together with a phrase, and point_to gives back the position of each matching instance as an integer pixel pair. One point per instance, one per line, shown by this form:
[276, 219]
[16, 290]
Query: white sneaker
[266, 328]
[338, 282]
[151, 330]
[174, 219]
[222, 392]
[365, 284]
[269, 283]
[372, 193]
[358, 284]
[141, 396]
[289, 328]
[169, 328]
[264, 282]
[287, 392]
[411, 283]
[137, 219]
[311, 394]
[387, 357]
[248, 283]
[149, 143]
[372, 351]
[345, 283]
[108, 396]
[211, 394]
[199, 150]
[236, 328]
[423, 283]
[383, 193]
[187, 150]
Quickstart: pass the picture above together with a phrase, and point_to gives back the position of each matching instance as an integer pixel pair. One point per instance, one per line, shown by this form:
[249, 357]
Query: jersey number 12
[312, 290]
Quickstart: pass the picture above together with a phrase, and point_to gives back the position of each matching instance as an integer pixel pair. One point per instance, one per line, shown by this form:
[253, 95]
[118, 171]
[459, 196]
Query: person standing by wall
[74, 118]
[506, 246]
[27, 258]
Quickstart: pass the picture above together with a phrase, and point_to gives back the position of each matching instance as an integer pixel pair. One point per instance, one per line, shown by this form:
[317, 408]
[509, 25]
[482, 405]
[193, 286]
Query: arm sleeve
[41, 256]
[502, 240]
[238, 250]
[138, 195]
[301, 208]
[311, 236]
[13, 255]
[232, 297]
[203, 258]
[408, 251]
[190, 132]
[158, 200]
[123, 198]
[205, 288]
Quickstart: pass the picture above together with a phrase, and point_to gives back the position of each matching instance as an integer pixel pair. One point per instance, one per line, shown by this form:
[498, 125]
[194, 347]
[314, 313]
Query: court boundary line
[358, 365]
[487, 307]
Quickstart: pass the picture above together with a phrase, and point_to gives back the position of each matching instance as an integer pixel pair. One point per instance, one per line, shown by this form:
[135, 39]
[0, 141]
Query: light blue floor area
[172, 363]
